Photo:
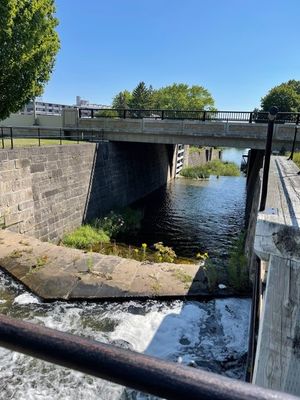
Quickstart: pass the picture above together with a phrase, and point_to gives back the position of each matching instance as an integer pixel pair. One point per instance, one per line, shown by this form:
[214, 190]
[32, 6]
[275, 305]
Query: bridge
[243, 129]
[56, 180]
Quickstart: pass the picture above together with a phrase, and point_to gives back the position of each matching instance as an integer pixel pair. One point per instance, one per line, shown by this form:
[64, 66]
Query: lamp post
[271, 119]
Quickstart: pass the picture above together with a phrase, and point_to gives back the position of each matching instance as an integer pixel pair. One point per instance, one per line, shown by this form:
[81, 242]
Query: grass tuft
[85, 237]
[215, 167]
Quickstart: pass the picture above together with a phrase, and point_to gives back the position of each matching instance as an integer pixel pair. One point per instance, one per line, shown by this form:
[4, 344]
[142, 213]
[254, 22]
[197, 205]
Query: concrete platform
[53, 272]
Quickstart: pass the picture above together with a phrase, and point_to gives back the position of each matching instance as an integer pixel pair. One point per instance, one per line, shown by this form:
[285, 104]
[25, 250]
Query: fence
[11, 136]
[199, 115]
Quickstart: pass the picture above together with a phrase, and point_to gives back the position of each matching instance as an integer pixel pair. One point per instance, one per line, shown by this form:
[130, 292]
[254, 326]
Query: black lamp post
[271, 119]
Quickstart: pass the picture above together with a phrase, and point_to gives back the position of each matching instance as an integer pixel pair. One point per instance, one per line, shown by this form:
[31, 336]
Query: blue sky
[237, 49]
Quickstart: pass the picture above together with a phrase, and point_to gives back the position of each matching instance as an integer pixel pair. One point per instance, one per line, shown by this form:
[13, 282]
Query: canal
[189, 216]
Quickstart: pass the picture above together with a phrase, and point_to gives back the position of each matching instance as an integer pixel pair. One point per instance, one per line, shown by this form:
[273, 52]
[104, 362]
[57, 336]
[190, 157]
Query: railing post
[11, 138]
[272, 115]
[204, 116]
[92, 113]
[294, 143]
[39, 137]
[79, 112]
[2, 137]
[124, 113]
[162, 114]
[298, 119]
[60, 136]
[251, 117]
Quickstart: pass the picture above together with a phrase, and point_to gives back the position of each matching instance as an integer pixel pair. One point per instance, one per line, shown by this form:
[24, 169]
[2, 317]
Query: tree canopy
[28, 46]
[285, 96]
[122, 99]
[141, 97]
[178, 96]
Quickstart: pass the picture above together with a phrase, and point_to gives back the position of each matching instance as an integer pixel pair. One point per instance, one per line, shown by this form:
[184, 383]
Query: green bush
[195, 149]
[164, 253]
[195, 172]
[296, 159]
[238, 273]
[85, 237]
[107, 114]
[126, 220]
[215, 167]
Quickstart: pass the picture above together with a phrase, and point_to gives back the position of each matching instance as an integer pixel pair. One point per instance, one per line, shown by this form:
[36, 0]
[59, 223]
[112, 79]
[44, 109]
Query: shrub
[85, 237]
[107, 114]
[164, 253]
[215, 167]
[127, 220]
[195, 172]
[238, 273]
[111, 224]
[296, 159]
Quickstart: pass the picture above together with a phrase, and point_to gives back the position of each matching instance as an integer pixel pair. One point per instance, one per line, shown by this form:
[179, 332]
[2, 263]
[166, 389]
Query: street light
[271, 119]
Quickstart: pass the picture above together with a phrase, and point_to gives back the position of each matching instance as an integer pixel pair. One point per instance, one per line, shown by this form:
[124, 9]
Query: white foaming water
[26, 298]
[203, 334]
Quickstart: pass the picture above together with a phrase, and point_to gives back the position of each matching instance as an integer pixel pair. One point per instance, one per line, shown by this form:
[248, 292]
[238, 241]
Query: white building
[45, 108]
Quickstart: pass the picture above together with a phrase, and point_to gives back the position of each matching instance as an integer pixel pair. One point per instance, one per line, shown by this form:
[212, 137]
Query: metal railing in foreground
[199, 115]
[124, 367]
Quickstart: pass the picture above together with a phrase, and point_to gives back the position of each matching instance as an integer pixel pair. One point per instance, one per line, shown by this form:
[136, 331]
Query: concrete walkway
[54, 272]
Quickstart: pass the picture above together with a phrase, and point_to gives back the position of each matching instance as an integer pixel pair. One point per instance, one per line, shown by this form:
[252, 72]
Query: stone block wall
[46, 191]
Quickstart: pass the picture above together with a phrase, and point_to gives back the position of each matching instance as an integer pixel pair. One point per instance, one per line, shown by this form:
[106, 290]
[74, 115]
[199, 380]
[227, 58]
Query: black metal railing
[199, 115]
[11, 137]
[144, 373]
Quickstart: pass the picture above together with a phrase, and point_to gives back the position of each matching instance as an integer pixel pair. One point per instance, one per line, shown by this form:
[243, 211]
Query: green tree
[141, 97]
[181, 96]
[285, 96]
[122, 100]
[28, 45]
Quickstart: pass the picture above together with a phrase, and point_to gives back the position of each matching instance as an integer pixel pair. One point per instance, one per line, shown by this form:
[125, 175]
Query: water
[196, 216]
[211, 335]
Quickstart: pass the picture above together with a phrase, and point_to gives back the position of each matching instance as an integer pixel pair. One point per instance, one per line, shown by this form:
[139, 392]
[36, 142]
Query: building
[45, 108]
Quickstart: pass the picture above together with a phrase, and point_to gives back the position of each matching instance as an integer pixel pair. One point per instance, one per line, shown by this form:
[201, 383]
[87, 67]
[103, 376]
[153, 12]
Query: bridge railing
[199, 115]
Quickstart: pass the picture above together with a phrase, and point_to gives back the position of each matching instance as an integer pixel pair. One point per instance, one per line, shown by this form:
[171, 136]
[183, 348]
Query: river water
[211, 335]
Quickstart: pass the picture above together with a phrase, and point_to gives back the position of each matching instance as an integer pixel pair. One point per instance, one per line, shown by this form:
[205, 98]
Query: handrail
[138, 371]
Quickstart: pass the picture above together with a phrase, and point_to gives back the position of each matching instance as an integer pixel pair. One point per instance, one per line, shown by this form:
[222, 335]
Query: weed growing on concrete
[24, 243]
[90, 263]
[164, 253]
[16, 254]
[41, 261]
[156, 288]
[85, 237]
[182, 276]
[238, 273]
[211, 273]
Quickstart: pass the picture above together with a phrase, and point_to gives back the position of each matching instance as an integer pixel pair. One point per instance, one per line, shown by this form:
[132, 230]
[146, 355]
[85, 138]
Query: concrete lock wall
[47, 191]
[193, 159]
